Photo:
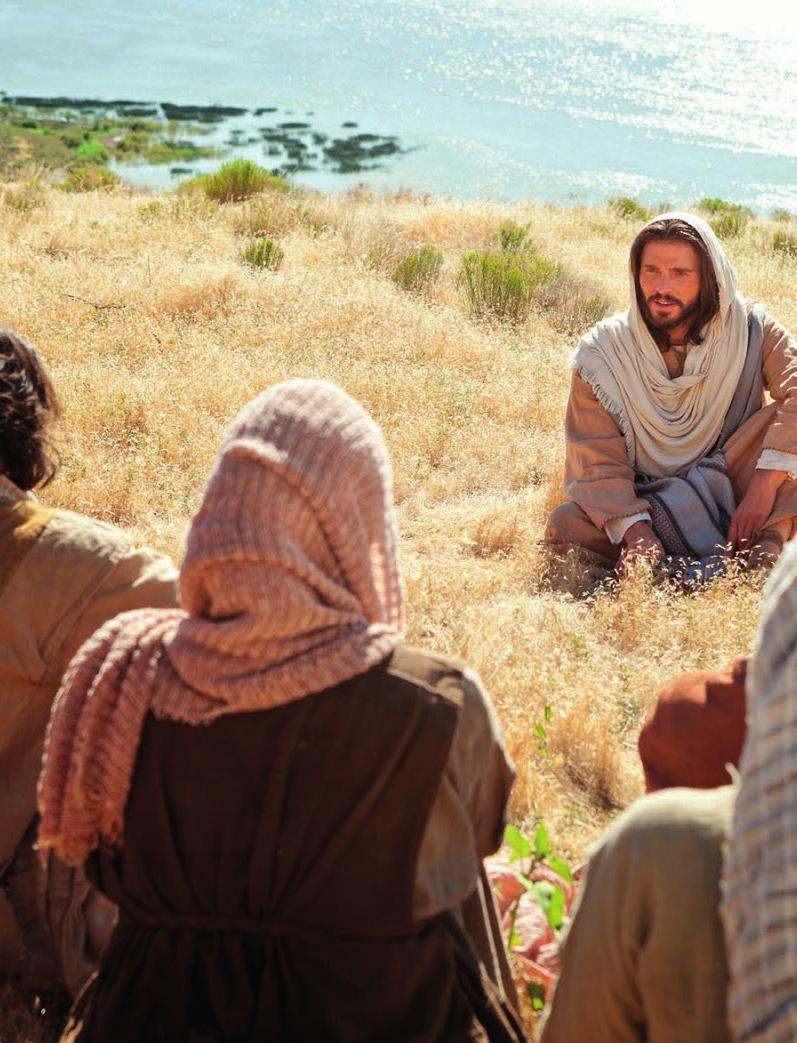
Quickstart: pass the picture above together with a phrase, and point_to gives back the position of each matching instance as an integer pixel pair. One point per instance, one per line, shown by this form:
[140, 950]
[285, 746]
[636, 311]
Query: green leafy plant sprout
[530, 854]
[541, 730]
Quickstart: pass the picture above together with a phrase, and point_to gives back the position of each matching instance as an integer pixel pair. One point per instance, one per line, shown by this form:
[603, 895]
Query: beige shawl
[668, 425]
[760, 892]
[290, 585]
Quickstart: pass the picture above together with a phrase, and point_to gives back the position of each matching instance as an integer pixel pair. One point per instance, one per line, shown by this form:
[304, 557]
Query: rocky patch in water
[64, 132]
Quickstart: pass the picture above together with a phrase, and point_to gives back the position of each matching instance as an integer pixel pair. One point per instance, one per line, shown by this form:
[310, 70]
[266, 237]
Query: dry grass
[156, 334]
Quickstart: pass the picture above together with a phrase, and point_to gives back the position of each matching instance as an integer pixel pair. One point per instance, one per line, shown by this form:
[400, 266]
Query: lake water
[560, 99]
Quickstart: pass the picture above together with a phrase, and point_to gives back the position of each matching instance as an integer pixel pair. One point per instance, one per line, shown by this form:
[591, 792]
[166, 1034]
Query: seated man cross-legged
[671, 449]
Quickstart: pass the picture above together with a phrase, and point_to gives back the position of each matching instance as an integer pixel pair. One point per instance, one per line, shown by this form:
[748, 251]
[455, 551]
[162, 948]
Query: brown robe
[266, 879]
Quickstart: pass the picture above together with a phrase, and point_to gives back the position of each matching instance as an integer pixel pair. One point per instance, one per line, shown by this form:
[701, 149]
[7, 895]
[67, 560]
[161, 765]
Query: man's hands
[749, 517]
[641, 542]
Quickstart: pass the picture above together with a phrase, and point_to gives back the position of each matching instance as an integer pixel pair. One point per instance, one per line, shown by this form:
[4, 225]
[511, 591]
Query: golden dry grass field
[156, 333]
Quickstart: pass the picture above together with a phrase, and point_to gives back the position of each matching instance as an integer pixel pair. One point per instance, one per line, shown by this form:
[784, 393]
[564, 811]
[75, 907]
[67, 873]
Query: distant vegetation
[236, 181]
[61, 133]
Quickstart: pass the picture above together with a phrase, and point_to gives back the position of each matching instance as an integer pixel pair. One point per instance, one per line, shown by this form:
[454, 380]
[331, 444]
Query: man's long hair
[673, 228]
[27, 405]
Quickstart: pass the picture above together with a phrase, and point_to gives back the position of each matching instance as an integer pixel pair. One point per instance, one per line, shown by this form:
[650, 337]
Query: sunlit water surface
[561, 100]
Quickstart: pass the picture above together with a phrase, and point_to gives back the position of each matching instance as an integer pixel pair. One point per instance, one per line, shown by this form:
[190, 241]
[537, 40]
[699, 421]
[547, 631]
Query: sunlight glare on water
[558, 99]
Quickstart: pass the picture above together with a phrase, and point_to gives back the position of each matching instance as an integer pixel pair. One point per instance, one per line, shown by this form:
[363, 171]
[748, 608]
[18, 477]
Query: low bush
[419, 270]
[513, 237]
[629, 208]
[730, 224]
[781, 214]
[785, 243]
[89, 178]
[28, 196]
[502, 285]
[572, 303]
[715, 205]
[235, 181]
[263, 253]
[276, 215]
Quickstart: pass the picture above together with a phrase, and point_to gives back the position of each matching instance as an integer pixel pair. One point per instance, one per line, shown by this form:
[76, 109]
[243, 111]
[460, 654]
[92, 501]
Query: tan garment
[61, 576]
[644, 957]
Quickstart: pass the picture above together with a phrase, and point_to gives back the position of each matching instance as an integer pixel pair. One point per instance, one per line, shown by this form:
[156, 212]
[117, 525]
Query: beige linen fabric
[644, 957]
[668, 424]
[760, 898]
[74, 576]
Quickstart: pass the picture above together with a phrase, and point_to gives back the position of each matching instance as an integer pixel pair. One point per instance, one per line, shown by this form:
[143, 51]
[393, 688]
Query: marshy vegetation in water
[61, 133]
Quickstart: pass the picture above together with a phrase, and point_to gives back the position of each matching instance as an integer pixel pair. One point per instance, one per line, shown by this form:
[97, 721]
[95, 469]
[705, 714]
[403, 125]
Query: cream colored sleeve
[616, 528]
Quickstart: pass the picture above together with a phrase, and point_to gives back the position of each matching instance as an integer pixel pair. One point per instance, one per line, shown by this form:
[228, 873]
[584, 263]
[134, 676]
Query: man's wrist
[773, 478]
[639, 530]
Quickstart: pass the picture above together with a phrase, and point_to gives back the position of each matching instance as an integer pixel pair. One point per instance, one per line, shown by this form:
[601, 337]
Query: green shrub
[629, 208]
[502, 285]
[729, 225]
[419, 270]
[238, 180]
[512, 237]
[785, 243]
[781, 214]
[715, 205]
[263, 253]
[89, 178]
[25, 198]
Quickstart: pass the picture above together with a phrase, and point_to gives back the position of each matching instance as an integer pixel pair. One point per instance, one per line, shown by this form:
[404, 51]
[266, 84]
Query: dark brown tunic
[266, 880]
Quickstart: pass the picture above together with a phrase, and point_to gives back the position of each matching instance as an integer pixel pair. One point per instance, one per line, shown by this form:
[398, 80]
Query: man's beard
[676, 319]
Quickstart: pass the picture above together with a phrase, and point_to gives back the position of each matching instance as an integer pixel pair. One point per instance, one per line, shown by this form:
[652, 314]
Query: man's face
[669, 278]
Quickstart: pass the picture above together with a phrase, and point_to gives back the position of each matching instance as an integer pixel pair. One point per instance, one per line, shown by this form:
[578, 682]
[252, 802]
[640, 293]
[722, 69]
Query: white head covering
[668, 424]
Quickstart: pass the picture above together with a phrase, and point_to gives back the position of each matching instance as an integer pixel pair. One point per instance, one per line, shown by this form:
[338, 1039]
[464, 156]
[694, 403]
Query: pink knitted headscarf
[290, 585]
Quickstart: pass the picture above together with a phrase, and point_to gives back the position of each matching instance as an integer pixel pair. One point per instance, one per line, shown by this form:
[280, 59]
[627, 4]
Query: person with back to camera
[289, 805]
[61, 576]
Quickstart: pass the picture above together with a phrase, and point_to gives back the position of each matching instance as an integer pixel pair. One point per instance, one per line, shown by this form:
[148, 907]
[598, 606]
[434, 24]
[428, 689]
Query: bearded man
[671, 449]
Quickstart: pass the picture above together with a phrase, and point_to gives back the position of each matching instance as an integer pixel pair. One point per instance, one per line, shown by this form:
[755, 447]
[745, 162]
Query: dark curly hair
[27, 406]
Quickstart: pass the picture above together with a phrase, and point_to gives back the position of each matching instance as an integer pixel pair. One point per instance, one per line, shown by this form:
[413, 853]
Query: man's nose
[663, 282]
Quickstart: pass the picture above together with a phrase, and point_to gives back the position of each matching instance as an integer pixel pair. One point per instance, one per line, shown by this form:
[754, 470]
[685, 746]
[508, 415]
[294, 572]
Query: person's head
[298, 513]
[27, 406]
[676, 286]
